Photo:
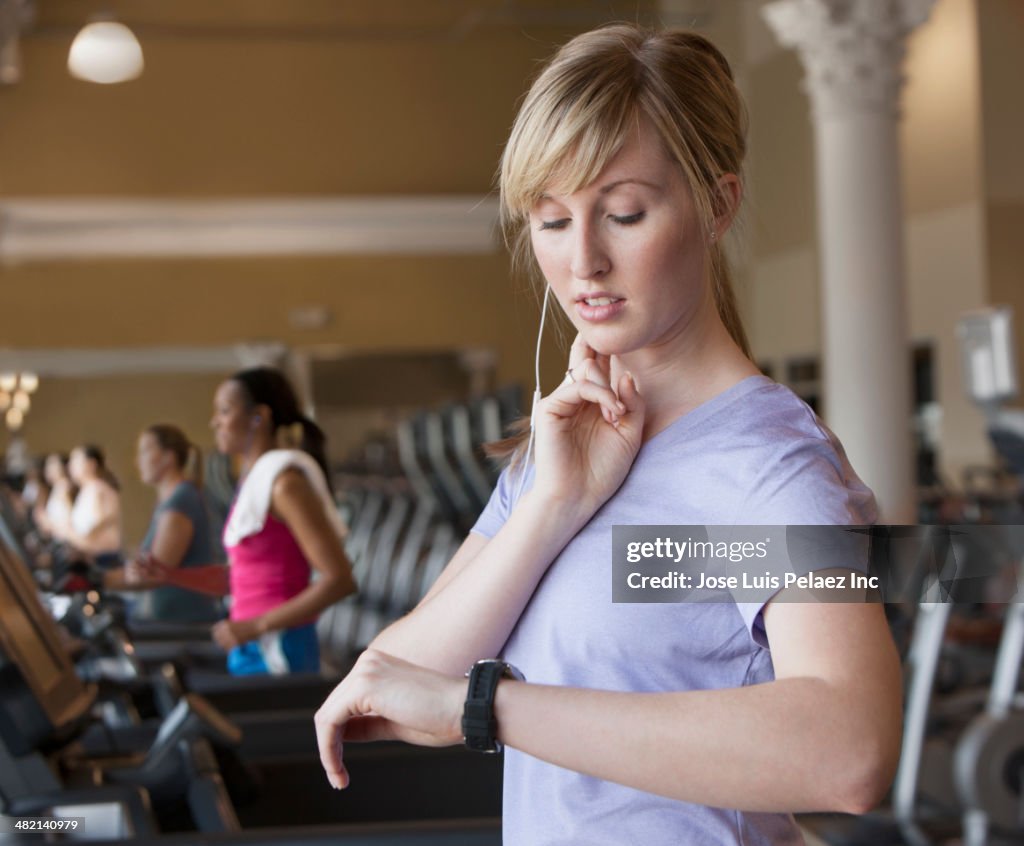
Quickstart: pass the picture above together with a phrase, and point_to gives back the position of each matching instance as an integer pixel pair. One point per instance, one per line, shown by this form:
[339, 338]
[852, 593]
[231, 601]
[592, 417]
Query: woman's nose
[589, 257]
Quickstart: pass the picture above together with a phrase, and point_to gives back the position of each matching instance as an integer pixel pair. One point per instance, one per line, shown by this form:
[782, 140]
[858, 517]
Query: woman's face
[152, 460]
[54, 470]
[232, 420]
[625, 255]
[81, 468]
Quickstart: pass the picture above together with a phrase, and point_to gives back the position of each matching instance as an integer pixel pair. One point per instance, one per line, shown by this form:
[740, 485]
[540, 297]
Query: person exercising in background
[54, 518]
[94, 527]
[179, 531]
[283, 523]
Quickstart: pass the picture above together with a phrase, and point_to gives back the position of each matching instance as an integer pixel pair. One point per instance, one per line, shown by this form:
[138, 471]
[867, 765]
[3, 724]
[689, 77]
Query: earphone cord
[536, 394]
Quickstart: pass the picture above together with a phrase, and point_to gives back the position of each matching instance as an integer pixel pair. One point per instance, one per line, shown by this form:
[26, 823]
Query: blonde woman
[640, 723]
[179, 530]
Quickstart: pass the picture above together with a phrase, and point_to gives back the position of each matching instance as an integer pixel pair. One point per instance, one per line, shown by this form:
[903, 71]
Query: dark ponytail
[289, 426]
[95, 453]
[187, 455]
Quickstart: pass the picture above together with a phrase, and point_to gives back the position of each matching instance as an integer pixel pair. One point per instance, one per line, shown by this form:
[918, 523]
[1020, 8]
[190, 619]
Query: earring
[713, 234]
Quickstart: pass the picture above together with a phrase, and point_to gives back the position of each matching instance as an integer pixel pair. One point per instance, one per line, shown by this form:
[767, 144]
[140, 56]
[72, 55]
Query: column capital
[852, 50]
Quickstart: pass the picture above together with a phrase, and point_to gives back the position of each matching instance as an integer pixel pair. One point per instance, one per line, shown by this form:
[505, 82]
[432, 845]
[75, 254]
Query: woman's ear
[260, 415]
[728, 195]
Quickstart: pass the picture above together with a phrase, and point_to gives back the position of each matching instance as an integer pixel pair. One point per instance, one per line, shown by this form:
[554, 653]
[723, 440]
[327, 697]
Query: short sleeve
[184, 500]
[499, 506]
[809, 483]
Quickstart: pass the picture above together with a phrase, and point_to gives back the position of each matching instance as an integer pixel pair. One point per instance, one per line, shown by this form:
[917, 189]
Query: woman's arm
[586, 439]
[171, 540]
[211, 579]
[823, 736]
[296, 503]
[471, 609]
[105, 533]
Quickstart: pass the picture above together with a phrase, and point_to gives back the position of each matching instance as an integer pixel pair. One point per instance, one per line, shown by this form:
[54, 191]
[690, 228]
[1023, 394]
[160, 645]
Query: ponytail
[290, 427]
[193, 468]
[725, 299]
[306, 435]
[94, 453]
[187, 455]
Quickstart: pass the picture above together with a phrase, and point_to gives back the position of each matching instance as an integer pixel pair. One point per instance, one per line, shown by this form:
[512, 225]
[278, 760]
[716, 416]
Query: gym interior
[311, 187]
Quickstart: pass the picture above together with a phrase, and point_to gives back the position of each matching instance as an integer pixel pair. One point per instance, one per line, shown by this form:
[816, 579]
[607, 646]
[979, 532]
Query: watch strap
[479, 727]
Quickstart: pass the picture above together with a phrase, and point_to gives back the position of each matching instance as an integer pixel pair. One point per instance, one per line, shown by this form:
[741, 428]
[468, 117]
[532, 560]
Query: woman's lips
[599, 308]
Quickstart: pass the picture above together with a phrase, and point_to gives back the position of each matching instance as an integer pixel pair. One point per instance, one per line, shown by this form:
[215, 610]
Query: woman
[653, 723]
[282, 524]
[179, 531]
[54, 518]
[95, 522]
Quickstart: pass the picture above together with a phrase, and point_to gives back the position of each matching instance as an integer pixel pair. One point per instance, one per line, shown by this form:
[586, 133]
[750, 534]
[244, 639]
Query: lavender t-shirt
[754, 454]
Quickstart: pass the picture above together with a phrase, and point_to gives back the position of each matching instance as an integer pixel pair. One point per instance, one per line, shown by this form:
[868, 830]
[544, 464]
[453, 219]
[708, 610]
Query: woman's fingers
[330, 725]
[567, 398]
[630, 396]
[385, 698]
[579, 352]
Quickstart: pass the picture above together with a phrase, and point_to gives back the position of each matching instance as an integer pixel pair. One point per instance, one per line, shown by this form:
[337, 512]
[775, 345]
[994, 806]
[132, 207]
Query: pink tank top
[267, 569]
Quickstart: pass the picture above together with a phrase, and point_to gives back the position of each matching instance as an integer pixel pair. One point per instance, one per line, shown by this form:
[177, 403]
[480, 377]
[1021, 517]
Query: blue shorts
[276, 653]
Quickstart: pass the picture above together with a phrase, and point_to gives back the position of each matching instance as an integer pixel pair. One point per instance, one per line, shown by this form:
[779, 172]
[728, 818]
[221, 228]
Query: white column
[852, 53]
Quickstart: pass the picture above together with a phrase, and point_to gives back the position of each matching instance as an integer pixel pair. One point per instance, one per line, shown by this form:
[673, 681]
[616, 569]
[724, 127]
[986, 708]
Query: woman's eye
[629, 219]
[553, 224]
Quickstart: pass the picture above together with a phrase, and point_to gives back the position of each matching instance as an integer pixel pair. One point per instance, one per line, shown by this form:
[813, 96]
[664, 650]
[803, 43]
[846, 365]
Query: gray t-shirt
[754, 454]
[173, 604]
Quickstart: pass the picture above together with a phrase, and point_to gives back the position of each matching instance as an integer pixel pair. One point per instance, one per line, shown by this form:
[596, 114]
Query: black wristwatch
[479, 728]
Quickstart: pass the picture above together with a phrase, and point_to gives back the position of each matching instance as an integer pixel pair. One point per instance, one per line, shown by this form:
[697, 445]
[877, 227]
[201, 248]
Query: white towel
[253, 501]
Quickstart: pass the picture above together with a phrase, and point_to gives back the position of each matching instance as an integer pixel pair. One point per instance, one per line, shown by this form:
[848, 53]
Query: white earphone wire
[536, 395]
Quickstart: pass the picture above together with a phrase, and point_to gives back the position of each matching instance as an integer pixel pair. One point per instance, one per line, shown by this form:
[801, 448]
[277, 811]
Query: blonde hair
[187, 455]
[577, 116]
[578, 112]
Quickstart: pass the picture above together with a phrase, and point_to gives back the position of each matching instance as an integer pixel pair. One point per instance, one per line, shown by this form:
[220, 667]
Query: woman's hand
[588, 430]
[232, 633]
[385, 698]
[145, 569]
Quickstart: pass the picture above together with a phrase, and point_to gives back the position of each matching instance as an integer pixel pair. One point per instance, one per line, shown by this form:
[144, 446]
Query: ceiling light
[105, 52]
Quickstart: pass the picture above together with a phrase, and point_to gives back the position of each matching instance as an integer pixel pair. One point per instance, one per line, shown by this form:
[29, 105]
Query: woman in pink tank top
[282, 527]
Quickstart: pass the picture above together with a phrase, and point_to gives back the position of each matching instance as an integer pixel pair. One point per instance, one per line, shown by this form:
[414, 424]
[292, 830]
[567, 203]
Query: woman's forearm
[306, 605]
[117, 580]
[210, 579]
[472, 616]
[798, 744]
[105, 536]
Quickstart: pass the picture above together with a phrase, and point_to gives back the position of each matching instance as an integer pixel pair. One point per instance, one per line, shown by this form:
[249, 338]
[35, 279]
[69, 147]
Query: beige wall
[111, 412]
[392, 100]
[1002, 69]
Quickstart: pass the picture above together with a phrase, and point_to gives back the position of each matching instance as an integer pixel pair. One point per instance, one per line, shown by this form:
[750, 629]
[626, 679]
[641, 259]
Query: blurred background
[311, 183]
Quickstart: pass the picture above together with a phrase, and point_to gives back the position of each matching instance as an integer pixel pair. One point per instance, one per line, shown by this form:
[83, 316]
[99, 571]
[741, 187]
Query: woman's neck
[165, 487]
[252, 455]
[678, 378]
